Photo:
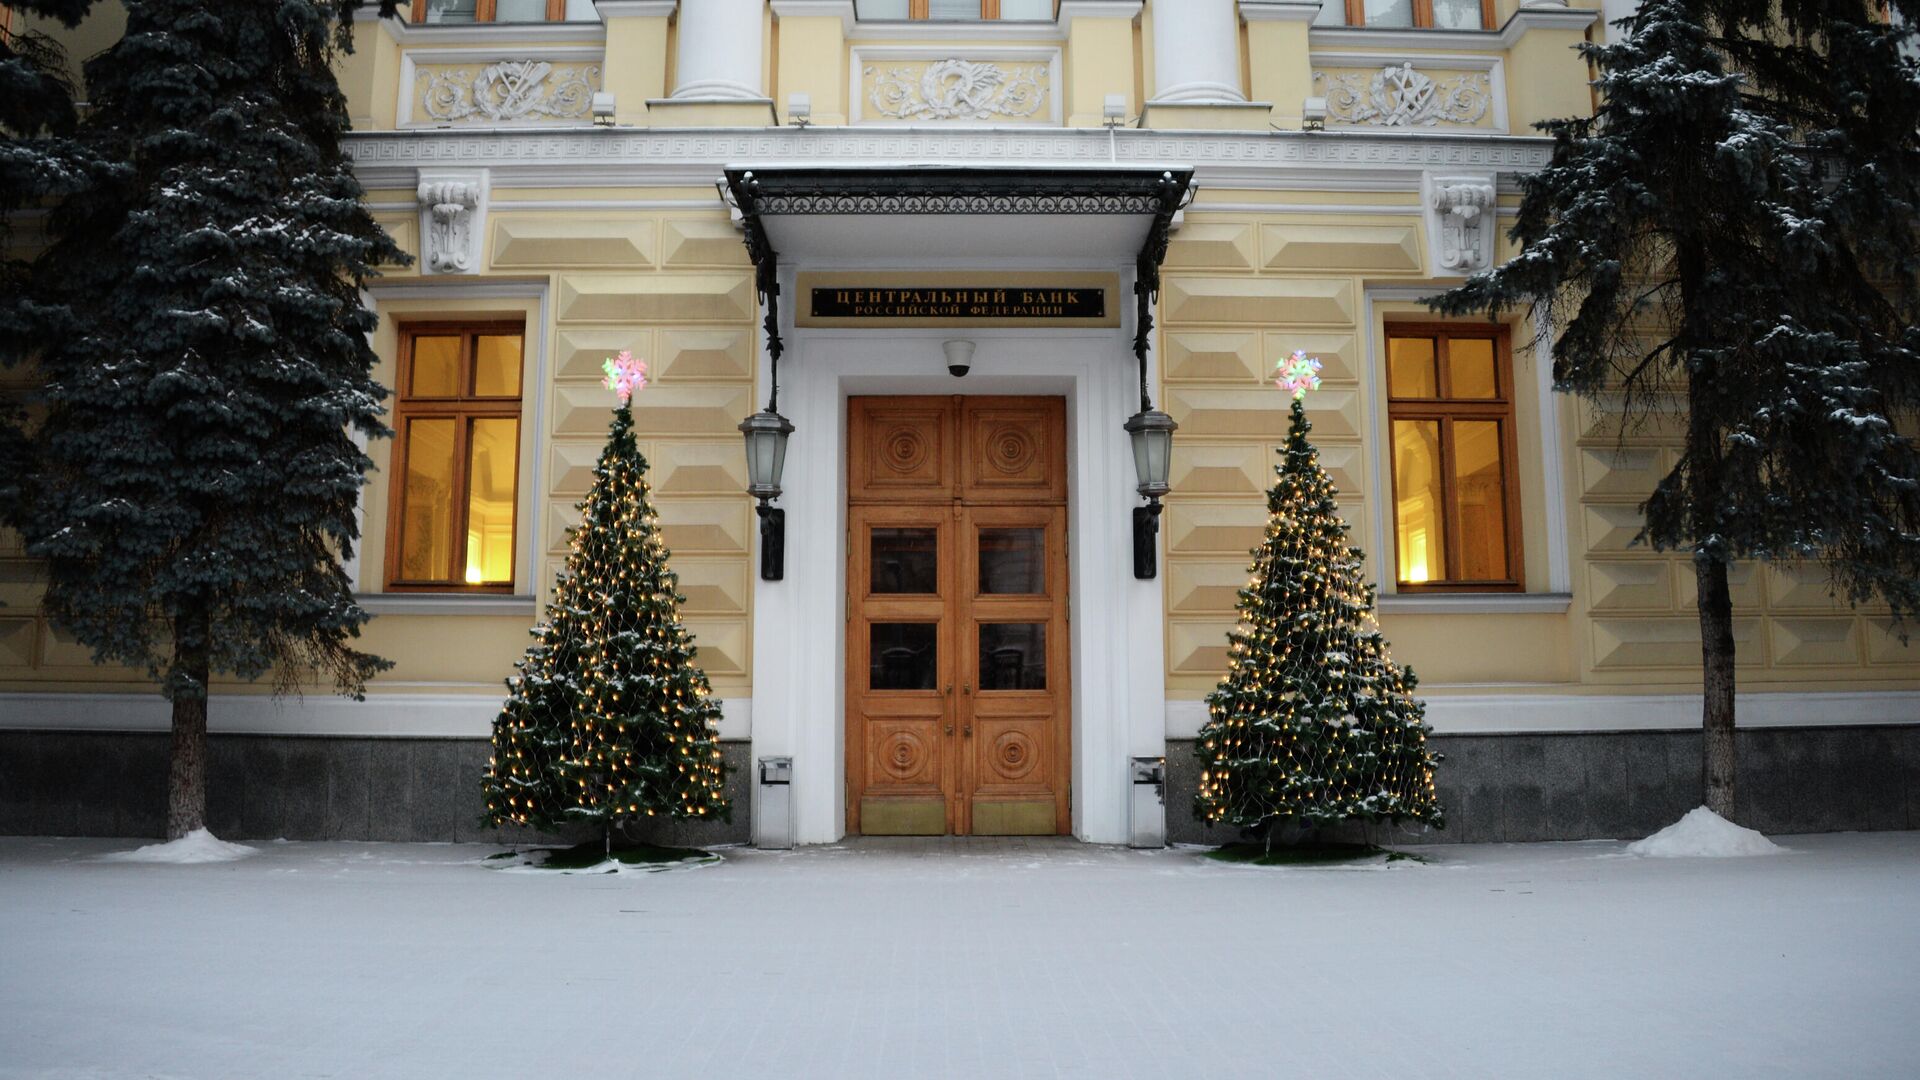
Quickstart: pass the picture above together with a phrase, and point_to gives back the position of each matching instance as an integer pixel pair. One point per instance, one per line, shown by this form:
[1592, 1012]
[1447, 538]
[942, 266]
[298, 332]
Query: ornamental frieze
[1401, 95]
[508, 91]
[919, 86]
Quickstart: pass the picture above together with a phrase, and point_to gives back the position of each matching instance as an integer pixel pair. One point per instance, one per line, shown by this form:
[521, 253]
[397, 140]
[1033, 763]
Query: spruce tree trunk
[1716, 655]
[187, 753]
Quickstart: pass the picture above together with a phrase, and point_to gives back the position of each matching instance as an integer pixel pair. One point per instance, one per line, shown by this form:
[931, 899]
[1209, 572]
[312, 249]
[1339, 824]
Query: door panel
[957, 638]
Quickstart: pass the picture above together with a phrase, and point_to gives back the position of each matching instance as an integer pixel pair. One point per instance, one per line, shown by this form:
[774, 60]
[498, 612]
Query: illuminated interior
[1418, 511]
[492, 457]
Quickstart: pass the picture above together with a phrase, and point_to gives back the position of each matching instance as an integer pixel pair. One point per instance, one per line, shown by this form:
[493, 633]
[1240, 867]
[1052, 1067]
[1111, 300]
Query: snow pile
[1703, 834]
[198, 846]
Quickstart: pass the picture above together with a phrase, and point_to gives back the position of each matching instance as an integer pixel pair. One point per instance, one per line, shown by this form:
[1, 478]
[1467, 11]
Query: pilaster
[1100, 53]
[635, 70]
[813, 56]
[1279, 62]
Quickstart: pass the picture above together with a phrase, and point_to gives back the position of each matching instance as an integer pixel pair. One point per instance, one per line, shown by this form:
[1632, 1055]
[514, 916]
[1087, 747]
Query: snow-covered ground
[919, 959]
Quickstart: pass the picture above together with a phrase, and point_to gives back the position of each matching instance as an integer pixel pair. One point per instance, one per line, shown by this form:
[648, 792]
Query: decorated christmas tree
[610, 719]
[1313, 723]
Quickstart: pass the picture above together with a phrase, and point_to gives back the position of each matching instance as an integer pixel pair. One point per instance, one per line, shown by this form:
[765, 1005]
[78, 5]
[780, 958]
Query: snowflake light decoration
[1298, 374]
[624, 375]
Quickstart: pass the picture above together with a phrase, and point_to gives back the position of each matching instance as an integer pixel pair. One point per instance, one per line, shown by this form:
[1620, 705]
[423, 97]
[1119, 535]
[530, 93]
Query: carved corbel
[453, 209]
[1461, 215]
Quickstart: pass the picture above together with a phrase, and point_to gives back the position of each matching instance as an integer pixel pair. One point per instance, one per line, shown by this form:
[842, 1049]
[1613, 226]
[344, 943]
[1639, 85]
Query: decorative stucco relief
[453, 204]
[1399, 95]
[510, 91]
[958, 90]
[1460, 221]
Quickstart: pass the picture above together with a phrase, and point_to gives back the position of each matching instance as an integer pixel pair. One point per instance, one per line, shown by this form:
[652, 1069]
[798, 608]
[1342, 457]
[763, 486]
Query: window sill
[445, 604]
[1475, 603]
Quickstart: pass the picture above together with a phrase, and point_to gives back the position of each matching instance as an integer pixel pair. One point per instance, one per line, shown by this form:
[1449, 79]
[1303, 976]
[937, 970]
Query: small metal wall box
[1148, 792]
[773, 804]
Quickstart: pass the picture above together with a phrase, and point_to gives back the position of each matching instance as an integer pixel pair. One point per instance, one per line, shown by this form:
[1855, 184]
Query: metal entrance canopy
[1147, 195]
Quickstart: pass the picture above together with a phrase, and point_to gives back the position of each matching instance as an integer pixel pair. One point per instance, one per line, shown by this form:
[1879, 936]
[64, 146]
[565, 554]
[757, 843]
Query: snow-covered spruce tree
[1313, 723]
[192, 485]
[610, 718]
[40, 162]
[1734, 237]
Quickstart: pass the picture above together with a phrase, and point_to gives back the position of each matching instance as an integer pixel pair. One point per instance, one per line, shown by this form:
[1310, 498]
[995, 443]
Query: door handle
[950, 729]
[969, 732]
[949, 689]
[967, 688]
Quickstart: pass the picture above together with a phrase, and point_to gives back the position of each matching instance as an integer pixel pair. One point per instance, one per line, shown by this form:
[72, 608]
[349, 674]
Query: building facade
[969, 238]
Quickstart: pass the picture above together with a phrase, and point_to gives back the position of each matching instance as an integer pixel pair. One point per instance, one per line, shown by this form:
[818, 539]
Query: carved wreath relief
[1399, 96]
[509, 90]
[958, 90]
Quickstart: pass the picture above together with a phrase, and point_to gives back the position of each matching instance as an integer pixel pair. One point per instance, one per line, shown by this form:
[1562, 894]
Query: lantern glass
[1152, 434]
[766, 435]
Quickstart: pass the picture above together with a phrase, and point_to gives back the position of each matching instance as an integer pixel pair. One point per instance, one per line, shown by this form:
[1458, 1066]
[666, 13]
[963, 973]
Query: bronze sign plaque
[960, 302]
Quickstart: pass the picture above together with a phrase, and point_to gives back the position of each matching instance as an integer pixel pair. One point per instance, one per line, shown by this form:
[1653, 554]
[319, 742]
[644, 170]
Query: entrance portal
[957, 656]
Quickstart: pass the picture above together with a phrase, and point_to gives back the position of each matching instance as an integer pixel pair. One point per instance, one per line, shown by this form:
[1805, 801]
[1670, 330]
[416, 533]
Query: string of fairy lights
[1313, 722]
[609, 717]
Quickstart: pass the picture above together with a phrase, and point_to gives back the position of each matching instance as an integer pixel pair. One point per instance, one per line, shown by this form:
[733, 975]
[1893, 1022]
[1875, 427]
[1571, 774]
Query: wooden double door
[957, 640]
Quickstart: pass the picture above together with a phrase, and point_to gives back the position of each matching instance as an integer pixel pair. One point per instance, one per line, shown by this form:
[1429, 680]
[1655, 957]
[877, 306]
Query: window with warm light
[431, 12]
[456, 457]
[1450, 413]
[1425, 14]
[957, 10]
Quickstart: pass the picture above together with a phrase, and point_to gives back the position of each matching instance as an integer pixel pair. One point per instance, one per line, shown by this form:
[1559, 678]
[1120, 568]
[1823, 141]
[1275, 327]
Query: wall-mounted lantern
[1151, 432]
[766, 433]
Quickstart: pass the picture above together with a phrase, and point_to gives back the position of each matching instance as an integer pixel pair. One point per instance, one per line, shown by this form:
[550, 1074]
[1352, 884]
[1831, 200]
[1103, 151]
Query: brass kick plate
[900, 817]
[1032, 817]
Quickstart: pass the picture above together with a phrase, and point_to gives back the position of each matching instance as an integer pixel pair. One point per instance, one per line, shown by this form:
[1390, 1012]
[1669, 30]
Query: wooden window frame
[1446, 410]
[1422, 15]
[462, 409]
[484, 11]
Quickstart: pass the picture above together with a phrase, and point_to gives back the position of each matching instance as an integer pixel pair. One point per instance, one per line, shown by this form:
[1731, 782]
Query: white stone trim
[635, 9]
[447, 604]
[453, 220]
[1517, 25]
[508, 36]
[1276, 160]
[1532, 712]
[862, 55]
[994, 31]
[1555, 456]
[799, 626]
[1555, 603]
[718, 51]
[1300, 11]
[536, 430]
[381, 715]
[1096, 9]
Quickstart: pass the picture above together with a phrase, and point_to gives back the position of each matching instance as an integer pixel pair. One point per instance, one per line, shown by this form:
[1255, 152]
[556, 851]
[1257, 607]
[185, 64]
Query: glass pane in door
[1013, 656]
[1013, 561]
[904, 561]
[905, 656]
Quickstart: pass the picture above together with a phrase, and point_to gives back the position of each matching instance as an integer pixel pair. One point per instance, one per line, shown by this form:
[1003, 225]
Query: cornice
[1096, 9]
[817, 9]
[497, 35]
[1301, 11]
[864, 32]
[1517, 25]
[1278, 160]
[635, 9]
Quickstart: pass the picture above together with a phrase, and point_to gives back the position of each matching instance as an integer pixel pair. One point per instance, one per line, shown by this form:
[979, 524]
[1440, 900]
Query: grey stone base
[1623, 785]
[1493, 787]
[262, 787]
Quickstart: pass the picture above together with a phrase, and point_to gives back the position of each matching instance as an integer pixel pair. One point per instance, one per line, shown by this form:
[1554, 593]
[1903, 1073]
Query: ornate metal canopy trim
[1121, 190]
